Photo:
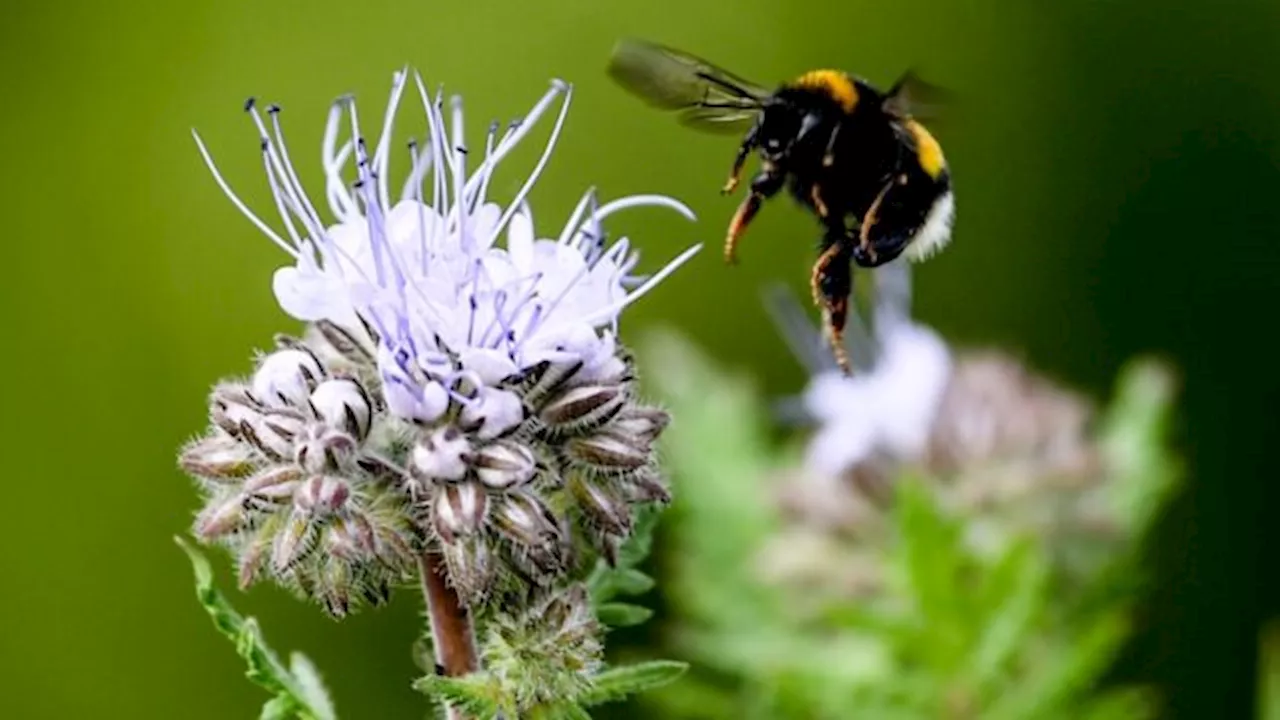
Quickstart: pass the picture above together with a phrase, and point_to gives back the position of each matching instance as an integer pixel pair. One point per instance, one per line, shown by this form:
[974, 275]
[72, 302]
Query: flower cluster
[1003, 446]
[460, 387]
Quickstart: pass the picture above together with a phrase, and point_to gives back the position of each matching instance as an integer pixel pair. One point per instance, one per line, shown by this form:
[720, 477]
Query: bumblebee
[856, 157]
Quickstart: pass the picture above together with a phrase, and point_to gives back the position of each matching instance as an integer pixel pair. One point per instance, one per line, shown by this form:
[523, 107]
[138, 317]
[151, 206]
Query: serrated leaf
[1076, 667]
[1016, 592]
[264, 667]
[619, 682]
[638, 545]
[622, 614]
[469, 694]
[931, 553]
[623, 581]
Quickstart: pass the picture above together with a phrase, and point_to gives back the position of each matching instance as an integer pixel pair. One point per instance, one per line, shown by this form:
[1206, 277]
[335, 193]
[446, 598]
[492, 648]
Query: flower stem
[452, 636]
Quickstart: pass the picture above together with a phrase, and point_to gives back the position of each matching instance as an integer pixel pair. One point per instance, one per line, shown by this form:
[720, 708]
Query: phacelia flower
[460, 387]
[1005, 447]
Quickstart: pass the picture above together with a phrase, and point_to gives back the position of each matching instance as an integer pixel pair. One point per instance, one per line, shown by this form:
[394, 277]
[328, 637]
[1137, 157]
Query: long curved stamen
[571, 227]
[278, 195]
[459, 171]
[542, 161]
[235, 200]
[382, 153]
[315, 226]
[340, 202]
[611, 310]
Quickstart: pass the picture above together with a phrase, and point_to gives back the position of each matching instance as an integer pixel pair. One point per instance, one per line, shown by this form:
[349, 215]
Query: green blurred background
[1116, 166]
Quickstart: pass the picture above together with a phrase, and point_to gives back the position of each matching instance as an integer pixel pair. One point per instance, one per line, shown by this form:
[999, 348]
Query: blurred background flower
[1115, 166]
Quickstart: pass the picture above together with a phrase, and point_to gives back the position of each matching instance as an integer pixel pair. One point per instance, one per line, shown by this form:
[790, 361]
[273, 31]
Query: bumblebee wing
[912, 96]
[705, 96]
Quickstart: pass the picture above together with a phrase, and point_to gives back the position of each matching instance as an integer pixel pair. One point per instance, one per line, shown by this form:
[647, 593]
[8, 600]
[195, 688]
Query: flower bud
[502, 465]
[459, 510]
[470, 563]
[274, 483]
[343, 405]
[231, 406]
[324, 449]
[440, 455]
[336, 584]
[322, 495]
[217, 457]
[605, 511]
[526, 520]
[293, 543]
[640, 422]
[275, 433]
[645, 486]
[285, 378]
[609, 452]
[493, 412]
[586, 406]
[221, 517]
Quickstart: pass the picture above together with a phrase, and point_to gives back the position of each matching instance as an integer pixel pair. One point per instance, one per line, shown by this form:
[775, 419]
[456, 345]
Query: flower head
[1001, 444]
[460, 382]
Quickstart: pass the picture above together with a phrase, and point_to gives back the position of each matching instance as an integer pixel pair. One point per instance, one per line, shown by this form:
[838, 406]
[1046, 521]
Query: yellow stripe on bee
[927, 149]
[834, 82]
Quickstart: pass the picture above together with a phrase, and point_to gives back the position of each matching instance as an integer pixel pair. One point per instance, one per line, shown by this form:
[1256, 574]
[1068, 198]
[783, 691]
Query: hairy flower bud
[609, 453]
[440, 455]
[321, 496]
[221, 517]
[295, 540]
[493, 413]
[344, 405]
[286, 377]
[459, 510]
[588, 406]
[231, 408]
[274, 483]
[217, 457]
[501, 465]
[644, 423]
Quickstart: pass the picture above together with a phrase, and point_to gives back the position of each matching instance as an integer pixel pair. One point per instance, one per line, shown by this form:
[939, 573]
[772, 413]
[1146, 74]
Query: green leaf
[1016, 592]
[622, 614]
[558, 711]
[619, 682]
[471, 694]
[931, 554]
[311, 685]
[721, 459]
[1074, 671]
[293, 698]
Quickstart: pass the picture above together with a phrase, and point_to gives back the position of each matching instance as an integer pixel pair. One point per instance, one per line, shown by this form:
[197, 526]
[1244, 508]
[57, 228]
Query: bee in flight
[854, 156]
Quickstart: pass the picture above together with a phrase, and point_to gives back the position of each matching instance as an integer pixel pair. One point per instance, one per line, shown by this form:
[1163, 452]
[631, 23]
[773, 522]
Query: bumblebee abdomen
[928, 151]
[835, 84]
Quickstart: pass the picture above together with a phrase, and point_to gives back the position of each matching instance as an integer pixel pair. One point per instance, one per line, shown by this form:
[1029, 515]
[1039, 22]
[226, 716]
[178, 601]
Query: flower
[452, 393]
[426, 276]
[999, 444]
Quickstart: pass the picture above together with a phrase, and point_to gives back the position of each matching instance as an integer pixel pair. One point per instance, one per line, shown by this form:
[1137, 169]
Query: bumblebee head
[779, 126]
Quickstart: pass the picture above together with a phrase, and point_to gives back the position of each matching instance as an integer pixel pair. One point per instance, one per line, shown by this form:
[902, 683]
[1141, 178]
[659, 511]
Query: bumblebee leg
[815, 194]
[865, 250]
[833, 282]
[765, 185]
[748, 144]
[895, 218]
